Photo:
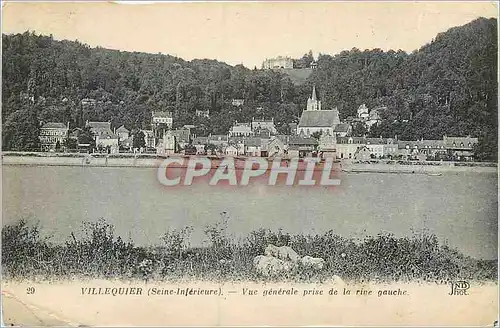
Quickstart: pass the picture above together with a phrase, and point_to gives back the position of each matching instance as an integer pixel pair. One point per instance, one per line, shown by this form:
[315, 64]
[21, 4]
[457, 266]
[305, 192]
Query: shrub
[98, 253]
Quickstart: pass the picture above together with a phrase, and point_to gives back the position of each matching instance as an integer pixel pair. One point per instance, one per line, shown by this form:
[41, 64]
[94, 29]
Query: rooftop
[122, 129]
[161, 114]
[342, 127]
[54, 125]
[319, 118]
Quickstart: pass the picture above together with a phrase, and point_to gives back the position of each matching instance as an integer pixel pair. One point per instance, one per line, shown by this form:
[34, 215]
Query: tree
[21, 130]
[70, 143]
[359, 129]
[86, 137]
[317, 135]
[138, 139]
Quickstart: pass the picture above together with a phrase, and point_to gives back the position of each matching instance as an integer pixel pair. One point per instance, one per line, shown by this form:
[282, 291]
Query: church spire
[313, 103]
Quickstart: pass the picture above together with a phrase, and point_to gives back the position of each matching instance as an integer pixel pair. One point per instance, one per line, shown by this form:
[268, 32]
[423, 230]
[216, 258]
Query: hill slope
[449, 86]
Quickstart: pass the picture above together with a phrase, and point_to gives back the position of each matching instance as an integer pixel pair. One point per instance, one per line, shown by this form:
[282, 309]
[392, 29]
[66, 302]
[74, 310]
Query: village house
[342, 130]
[203, 113]
[274, 147]
[376, 146]
[231, 150]
[149, 138]
[237, 102]
[241, 130]
[362, 154]
[407, 149]
[98, 128]
[374, 116]
[53, 135]
[262, 133]
[88, 102]
[263, 124]
[167, 145]
[328, 146]
[161, 117]
[199, 143]
[314, 119]
[239, 143]
[182, 137]
[122, 132]
[306, 145]
[104, 136]
[459, 148]
[253, 147]
[160, 122]
[348, 146]
[109, 141]
[390, 147]
[363, 112]
[462, 148]
[218, 140]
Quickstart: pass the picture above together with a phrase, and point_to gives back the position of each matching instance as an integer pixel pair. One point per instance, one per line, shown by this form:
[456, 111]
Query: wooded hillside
[449, 86]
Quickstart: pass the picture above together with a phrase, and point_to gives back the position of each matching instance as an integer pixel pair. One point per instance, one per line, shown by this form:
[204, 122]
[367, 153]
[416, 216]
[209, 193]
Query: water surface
[460, 208]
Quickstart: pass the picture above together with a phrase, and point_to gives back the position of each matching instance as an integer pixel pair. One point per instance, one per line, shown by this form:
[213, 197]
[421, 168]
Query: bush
[98, 253]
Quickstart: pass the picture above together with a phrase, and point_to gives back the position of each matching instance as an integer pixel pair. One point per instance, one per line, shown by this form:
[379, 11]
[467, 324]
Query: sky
[244, 32]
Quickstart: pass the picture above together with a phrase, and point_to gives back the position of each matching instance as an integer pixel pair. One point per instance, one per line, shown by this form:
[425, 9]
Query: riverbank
[96, 252]
[153, 161]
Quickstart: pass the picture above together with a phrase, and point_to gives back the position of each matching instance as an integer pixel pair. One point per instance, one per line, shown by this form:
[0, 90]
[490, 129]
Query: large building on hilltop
[314, 119]
[278, 62]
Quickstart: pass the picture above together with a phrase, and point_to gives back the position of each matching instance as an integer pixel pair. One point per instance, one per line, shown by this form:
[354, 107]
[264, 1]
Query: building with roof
[277, 62]
[348, 146]
[203, 113]
[263, 124]
[342, 130]
[374, 116]
[149, 138]
[252, 146]
[241, 130]
[363, 112]
[167, 144]
[460, 147]
[161, 117]
[363, 153]
[122, 132]
[98, 128]
[328, 146]
[103, 135]
[231, 150]
[53, 135]
[160, 122]
[182, 137]
[314, 119]
[238, 102]
[274, 147]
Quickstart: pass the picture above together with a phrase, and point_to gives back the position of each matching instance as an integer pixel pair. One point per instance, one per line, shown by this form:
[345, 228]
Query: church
[314, 119]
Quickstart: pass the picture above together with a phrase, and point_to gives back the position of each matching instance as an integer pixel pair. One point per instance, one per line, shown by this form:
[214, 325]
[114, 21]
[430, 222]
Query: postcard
[249, 163]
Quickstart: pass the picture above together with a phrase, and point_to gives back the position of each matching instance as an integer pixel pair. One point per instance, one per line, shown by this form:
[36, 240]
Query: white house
[241, 130]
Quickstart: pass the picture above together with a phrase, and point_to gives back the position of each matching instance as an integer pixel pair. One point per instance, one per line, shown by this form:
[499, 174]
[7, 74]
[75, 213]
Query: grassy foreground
[97, 253]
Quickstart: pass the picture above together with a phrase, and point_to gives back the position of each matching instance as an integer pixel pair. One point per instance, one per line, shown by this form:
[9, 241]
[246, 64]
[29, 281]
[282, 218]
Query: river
[459, 207]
